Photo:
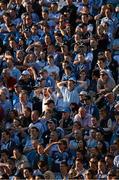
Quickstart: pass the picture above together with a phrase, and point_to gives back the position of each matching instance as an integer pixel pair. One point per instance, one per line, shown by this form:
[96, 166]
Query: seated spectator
[6, 142]
[83, 117]
[105, 82]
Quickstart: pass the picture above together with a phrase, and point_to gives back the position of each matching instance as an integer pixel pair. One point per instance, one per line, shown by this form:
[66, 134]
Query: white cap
[25, 72]
[83, 93]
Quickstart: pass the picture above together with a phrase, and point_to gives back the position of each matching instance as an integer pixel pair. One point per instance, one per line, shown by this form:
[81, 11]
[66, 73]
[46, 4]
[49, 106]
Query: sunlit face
[81, 58]
[82, 112]
[47, 40]
[22, 97]
[16, 154]
[40, 149]
[28, 20]
[70, 85]
[26, 173]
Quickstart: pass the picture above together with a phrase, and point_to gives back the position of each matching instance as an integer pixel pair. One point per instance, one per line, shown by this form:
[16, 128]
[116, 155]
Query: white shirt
[52, 69]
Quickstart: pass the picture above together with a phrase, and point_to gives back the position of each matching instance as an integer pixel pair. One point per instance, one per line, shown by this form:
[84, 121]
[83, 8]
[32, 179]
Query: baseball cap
[25, 72]
[83, 93]
[42, 71]
[72, 79]
[51, 121]
[49, 101]
[66, 109]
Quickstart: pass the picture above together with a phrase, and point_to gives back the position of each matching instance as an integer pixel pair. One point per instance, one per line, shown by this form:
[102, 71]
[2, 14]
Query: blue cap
[66, 109]
[72, 79]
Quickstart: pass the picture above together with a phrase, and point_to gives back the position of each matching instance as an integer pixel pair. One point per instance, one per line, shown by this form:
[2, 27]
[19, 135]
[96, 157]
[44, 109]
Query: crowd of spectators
[59, 91]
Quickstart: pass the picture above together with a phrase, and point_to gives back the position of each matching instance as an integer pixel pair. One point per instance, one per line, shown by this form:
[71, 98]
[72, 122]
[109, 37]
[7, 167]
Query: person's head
[34, 115]
[92, 133]
[71, 84]
[54, 6]
[94, 121]
[42, 165]
[76, 126]
[103, 113]
[69, 2]
[17, 153]
[6, 18]
[3, 5]
[89, 174]
[101, 147]
[58, 37]
[102, 165]
[79, 164]
[77, 37]
[3, 95]
[109, 160]
[87, 100]
[74, 107]
[108, 12]
[93, 163]
[64, 168]
[6, 73]
[99, 136]
[100, 30]
[111, 175]
[62, 145]
[27, 112]
[79, 154]
[29, 7]
[45, 14]
[64, 49]
[82, 74]
[51, 125]
[17, 88]
[50, 104]
[49, 175]
[11, 164]
[84, 18]
[39, 177]
[48, 113]
[65, 113]
[50, 59]
[5, 136]
[16, 123]
[44, 73]
[10, 63]
[23, 97]
[78, 134]
[4, 155]
[93, 43]
[28, 20]
[110, 97]
[35, 141]
[40, 149]
[67, 70]
[48, 40]
[81, 57]
[34, 132]
[104, 76]
[34, 30]
[82, 96]
[27, 173]
[101, 63]
[53, 136]
[93, 152]
[108, 54]
[82, 112]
